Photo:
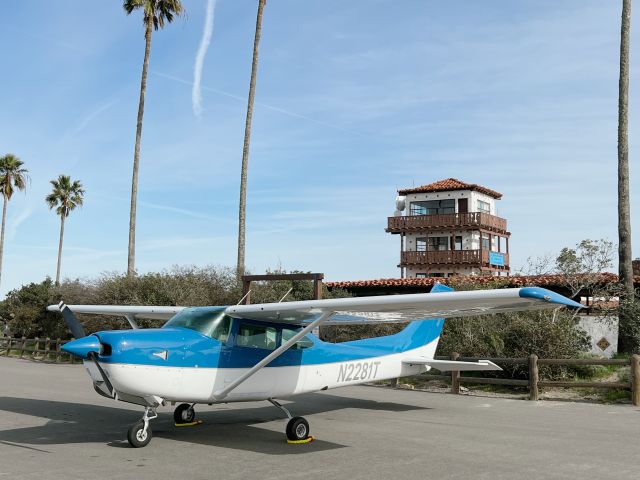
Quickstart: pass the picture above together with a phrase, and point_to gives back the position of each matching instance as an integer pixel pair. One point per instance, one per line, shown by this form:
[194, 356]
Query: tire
[137, 436]
[297, 429]
[184, 413]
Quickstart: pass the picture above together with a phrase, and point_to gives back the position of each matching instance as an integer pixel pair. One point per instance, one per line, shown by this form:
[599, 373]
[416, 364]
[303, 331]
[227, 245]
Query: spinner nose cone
[82, 346]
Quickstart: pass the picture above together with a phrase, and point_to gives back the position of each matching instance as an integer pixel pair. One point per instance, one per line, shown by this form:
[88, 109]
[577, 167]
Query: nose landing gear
[139, 434]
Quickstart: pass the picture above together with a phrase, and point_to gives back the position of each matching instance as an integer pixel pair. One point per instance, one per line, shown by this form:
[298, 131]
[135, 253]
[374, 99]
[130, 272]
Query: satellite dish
[401, 201]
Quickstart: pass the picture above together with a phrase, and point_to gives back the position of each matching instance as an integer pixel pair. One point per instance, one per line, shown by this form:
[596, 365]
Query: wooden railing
[448, 257]
[43, 349]
[449, 220]
[534, 383]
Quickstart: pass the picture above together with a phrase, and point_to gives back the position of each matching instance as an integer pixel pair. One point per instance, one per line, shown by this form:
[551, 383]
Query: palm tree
[625, 267]
[65, 197]
[12, 176]
[242, 215]
[156, 13]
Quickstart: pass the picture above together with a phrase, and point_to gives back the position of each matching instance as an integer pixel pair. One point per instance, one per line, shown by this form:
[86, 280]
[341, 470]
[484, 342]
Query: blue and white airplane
[239, 353]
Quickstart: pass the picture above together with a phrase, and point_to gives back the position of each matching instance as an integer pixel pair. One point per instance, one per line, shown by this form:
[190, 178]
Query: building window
[421, 275]
[495, 246]
[485, 241]
[433, 207]
[437, 244]
[421, 244]
[484, 207]
[457, 244]
[436, 274]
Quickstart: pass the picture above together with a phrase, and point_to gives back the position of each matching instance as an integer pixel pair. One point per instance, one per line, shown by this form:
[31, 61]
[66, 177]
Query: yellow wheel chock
[190, 424]
[309, 439]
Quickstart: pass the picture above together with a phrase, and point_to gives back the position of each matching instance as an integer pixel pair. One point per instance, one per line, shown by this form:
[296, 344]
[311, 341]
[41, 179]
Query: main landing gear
[139, 434]
[184, 414]
[297, 427]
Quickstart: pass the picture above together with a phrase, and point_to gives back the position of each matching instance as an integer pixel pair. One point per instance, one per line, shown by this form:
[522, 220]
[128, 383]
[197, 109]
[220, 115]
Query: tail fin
[423, 332]
[420, 333]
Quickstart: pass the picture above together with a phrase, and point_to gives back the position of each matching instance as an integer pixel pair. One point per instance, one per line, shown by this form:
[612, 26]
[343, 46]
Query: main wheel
[139, 437]
[184, 413]
[297, 429]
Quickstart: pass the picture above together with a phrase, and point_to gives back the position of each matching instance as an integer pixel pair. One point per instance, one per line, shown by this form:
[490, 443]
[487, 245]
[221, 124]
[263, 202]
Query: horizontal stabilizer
[448, 365]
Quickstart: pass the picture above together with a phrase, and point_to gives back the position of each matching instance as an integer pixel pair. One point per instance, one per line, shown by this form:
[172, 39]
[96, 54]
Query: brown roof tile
[513, 281]
[451, 184]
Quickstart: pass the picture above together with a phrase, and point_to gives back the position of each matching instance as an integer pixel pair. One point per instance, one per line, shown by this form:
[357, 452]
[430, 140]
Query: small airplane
[209, 355]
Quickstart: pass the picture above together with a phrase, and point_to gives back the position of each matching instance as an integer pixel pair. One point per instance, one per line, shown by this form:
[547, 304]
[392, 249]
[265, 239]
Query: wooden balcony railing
[453, 257]
[409, 223]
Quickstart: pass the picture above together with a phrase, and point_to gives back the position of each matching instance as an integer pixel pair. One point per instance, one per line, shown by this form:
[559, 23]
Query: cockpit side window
[256, 336]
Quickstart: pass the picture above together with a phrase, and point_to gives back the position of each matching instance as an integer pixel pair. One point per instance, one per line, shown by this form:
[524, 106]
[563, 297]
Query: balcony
[448, 221]
[471, 258]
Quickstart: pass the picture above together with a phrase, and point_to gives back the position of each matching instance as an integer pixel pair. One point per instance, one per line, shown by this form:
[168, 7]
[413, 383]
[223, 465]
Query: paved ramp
[53, 426]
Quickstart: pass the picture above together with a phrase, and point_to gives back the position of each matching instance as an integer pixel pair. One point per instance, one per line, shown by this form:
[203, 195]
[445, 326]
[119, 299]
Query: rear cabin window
[304, 342]
[256, 336]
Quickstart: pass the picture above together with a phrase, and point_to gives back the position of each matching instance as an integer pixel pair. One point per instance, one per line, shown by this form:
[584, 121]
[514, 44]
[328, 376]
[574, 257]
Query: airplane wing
[129, 311]
[404, 308]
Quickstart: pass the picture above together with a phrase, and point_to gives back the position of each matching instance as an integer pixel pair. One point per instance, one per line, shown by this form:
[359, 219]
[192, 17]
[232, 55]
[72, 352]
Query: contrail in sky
[196, 93]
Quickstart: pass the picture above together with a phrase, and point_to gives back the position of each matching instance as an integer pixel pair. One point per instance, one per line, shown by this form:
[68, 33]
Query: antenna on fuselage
[245, 296]
[285, 295]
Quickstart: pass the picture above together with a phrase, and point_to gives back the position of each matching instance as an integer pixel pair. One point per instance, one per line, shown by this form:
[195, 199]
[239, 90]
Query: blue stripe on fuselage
[188, 348]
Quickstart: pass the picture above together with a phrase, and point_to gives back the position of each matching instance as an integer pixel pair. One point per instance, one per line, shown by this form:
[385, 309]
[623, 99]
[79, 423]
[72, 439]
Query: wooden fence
[43, 349]
[534, 383]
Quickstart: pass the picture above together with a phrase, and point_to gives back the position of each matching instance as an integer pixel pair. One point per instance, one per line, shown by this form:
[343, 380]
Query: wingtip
[548, 296]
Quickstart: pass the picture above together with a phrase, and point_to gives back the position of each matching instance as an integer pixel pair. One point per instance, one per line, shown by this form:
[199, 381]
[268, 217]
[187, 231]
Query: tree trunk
[625, 266]
[4, 220]
[245, 150]
[131, 260]
[60, 250]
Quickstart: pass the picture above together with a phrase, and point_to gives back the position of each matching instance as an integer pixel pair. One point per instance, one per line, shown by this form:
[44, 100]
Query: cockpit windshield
[209, 321]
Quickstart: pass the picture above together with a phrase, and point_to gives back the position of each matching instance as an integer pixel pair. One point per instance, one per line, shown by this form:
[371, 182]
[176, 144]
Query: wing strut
[220, 394]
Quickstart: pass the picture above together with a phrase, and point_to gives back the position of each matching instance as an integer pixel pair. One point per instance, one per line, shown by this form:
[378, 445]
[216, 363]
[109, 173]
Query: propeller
[72, 322]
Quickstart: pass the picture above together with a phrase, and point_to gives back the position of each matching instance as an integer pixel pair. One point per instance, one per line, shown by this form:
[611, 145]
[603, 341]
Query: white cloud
[196, 92]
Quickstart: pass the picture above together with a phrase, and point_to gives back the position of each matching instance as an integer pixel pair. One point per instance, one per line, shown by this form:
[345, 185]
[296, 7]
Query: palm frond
[65, 196]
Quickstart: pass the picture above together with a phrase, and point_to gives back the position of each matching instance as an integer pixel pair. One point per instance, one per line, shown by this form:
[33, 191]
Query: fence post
[36, 347]
[22, 346]
[455, 376]
[57, 350]
[47, 348]
[9, 345]
[635, 380]
[533, 377]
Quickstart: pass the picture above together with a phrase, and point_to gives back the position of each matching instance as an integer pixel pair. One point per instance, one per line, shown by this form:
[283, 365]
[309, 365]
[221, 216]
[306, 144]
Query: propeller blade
[72, 322]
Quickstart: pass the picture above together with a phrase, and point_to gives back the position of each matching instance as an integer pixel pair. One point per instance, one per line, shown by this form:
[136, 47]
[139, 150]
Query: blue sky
[354, 100]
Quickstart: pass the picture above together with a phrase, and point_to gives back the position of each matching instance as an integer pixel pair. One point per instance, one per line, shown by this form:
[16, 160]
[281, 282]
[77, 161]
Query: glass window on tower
[433, 207]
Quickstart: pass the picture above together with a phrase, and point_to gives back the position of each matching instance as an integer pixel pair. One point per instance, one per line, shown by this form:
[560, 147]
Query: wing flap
[449, 365]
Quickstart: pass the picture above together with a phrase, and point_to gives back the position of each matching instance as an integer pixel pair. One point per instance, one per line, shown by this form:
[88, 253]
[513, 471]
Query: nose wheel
[139, 434]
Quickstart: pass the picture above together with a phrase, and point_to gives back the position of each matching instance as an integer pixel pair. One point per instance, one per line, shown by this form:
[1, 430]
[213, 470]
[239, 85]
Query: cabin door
[463, 205]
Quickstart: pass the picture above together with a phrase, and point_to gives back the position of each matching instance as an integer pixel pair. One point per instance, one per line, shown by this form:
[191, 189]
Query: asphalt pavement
[54, 426]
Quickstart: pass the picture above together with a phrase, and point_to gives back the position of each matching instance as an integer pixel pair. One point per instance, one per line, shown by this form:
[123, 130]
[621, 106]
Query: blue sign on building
[496, 258]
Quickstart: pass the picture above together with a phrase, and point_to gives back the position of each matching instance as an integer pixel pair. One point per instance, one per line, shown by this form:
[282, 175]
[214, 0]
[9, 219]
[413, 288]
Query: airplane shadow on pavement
[236, 428]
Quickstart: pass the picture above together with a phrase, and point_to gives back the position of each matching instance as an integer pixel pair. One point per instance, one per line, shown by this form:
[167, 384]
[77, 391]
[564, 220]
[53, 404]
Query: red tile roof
[451, 184]
[513, 281]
